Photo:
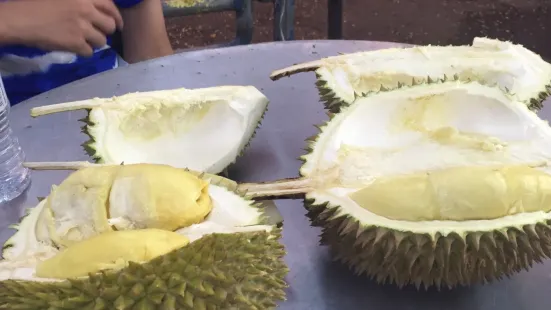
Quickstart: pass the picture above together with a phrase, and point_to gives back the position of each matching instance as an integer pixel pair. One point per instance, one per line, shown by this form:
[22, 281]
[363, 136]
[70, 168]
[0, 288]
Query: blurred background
[410, 21]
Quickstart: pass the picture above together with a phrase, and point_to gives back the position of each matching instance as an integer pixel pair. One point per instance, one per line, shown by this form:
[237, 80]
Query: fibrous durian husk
[443, 260]
[237, 270]
[203, 96]
[333, 102]
[405, 258]
[219, 271]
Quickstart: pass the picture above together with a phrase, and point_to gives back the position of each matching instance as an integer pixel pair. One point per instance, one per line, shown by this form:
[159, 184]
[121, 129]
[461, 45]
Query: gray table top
[315, 281]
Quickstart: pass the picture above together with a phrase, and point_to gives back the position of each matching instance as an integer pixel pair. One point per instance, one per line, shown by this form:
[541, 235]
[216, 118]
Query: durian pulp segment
[230, 214]
[224, 209]
[102, 198]
[458, 194]
[200, 129]
[110, 250]
[78, 207]
[157, 196]
[394, 139]
[491, 61]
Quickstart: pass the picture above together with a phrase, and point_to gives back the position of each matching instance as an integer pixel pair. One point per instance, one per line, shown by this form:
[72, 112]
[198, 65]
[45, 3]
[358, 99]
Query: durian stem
[64, 107]
[56, 165]
[281, 189]
[303, 67]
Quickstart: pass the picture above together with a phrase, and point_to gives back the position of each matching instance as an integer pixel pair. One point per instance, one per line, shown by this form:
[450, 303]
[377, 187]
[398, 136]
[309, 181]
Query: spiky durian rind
[89, 146]
[10, 242]
[333, 103]
[408, 258]
[219, 271]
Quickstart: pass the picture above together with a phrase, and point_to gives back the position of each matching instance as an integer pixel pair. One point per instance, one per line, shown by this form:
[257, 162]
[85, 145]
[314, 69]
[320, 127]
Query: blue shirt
[28, 71]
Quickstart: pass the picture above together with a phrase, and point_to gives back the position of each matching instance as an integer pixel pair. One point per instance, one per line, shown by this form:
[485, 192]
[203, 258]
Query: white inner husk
[370, 139]
[511, 66]
[230, 214]
[200, 129]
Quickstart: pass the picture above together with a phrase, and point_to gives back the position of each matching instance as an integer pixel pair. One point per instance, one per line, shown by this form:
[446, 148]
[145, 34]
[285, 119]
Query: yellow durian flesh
[110, 250]
[78, 208]
[158, 196]
[102, 198]
[458, 194]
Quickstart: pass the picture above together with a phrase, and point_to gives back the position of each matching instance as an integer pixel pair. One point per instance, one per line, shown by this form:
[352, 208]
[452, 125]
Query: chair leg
[244, 22]
[284, 20]
[334, 19]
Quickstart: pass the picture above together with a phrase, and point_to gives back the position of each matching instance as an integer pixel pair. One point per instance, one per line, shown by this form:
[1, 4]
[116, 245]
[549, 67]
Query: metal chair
[284, 14]
[334, 19]
[242, 8]
[284, 19]
[522, 22]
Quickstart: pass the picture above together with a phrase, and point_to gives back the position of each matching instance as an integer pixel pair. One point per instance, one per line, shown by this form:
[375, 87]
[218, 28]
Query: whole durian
[340, 79]
[202, 129]
[144, 236]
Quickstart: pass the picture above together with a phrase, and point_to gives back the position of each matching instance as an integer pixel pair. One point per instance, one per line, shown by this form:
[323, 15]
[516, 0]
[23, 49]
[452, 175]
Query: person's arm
[144, 34]
[67, 25]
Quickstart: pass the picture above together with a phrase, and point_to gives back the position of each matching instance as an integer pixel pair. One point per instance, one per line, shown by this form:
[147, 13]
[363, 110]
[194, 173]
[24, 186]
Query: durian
[443, 184]
[439, 184]
[342, 78]
[219, 250]
[202, 129]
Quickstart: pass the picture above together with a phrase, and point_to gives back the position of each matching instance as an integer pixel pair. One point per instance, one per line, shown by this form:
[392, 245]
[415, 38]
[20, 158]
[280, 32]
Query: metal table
[315, 281]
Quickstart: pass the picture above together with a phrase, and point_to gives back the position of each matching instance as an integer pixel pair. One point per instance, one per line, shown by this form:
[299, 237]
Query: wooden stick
[303, 67]
[66, 106]
[281, 189]
[63, 165]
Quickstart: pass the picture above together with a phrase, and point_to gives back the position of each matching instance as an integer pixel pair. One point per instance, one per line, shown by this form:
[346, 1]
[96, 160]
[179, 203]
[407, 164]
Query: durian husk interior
[443, 184]
[202, 129]
[340, 79]
[216, 250]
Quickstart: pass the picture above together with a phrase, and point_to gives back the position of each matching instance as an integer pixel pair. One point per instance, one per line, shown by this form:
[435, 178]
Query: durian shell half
[220, 271]
[333, 101]
[406, 258]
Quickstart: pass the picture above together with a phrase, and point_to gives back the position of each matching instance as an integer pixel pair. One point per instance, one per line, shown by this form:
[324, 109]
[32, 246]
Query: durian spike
[280, 189]
[66, 106]
[298, 68]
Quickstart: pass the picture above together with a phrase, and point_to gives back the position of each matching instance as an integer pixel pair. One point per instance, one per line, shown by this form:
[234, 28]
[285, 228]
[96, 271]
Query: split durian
[439, 184]
[417, 178]
[340, 79]
[144, 236]
[203, 129]
[443, 184]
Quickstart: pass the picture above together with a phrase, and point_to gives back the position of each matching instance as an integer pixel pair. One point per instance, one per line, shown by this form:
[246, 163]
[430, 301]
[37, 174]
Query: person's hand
[75, 26]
